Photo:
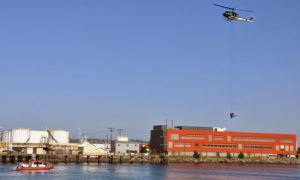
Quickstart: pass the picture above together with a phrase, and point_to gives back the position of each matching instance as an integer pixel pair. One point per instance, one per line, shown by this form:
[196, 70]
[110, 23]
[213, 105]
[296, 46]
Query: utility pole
[120, 132]
[111, 130]
[79, 135]
[1, 128]
[167, 123]
[106, 140]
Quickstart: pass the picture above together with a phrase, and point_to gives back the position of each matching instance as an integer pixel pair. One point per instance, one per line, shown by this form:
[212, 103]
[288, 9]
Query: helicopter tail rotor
[251, 18]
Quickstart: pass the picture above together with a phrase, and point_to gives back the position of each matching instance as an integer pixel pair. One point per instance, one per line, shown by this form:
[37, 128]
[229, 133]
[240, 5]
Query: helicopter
[231, 15]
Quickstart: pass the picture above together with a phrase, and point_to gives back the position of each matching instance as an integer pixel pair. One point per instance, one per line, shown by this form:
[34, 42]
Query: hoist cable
[231, 61]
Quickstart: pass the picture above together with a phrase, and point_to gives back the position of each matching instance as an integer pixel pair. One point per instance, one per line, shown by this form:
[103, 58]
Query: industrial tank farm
[24, 135]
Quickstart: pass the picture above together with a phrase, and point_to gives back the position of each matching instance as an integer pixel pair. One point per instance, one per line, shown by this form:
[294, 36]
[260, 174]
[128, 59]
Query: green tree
[228, 156]
[153, 152]
[196, 155]
[143, 149]
[241, 155]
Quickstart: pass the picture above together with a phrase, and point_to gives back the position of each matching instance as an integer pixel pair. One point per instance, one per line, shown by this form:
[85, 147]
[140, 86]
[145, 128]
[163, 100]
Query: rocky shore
[144, 160]
[234, 160]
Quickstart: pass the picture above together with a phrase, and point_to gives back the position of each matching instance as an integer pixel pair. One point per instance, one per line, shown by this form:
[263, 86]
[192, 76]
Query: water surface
[149, 171]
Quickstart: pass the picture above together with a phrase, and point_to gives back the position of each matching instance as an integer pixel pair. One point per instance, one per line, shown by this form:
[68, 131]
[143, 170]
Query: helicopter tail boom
[245, 19]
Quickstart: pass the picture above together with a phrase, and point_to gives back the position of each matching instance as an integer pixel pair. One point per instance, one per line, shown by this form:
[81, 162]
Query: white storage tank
[20, 135]
[38, 136]
[5, 136]
[9, 136]
[58, 136]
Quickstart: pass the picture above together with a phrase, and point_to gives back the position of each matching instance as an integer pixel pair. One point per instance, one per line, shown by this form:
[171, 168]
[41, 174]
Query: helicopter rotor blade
[244, 10]
[224, 7]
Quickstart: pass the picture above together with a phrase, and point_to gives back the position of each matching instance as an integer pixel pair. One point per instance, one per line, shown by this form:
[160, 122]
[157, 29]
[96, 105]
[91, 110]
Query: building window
[219, 145]
[219, 137]
[210, 137]
[182, 144]
[287, 148]
[286, 140]
[187, 137]
[170, 144]
[254, 138]
[277, 147]
[228, 138]
[282, 147]
[240, 146]
[292, 148]
[174, 136]
[196, 145]
[257, 146]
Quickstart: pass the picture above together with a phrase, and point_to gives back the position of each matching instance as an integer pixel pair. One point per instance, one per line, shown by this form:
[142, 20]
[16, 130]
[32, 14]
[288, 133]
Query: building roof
[195, 128]
[160, 127]
[128, 142]
[102, 146]
[122, 138]
[85, 144]
[98, 145]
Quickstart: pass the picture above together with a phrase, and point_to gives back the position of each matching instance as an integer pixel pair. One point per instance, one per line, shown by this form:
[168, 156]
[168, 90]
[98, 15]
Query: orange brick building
[210, 141]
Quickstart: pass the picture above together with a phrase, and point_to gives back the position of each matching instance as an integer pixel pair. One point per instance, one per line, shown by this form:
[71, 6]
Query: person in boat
[232, 115]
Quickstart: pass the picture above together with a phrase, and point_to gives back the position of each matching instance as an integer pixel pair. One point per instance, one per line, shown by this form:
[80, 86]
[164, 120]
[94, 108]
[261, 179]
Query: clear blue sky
[133, 64]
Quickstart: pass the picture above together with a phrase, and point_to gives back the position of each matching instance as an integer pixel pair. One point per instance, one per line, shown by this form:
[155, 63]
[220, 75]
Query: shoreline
[292, 161]
[80, 159]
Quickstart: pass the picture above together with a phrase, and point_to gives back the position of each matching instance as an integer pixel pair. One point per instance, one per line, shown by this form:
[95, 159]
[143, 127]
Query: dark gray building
[158, 140]
[195, 128]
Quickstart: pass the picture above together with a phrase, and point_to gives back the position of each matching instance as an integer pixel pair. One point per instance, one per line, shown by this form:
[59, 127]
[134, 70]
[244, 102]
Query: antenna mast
[120, 131]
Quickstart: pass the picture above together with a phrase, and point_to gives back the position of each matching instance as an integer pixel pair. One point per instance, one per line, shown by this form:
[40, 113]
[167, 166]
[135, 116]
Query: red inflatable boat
[34, 165]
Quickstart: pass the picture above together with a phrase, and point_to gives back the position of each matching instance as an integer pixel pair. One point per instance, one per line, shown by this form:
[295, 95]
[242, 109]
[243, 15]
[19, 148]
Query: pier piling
[99, 159]
[66, 159]
[111, 158]
[20, 158]
[77, 159]
[54, 159]
[88, 159]
[3, 159]
[12, 159]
